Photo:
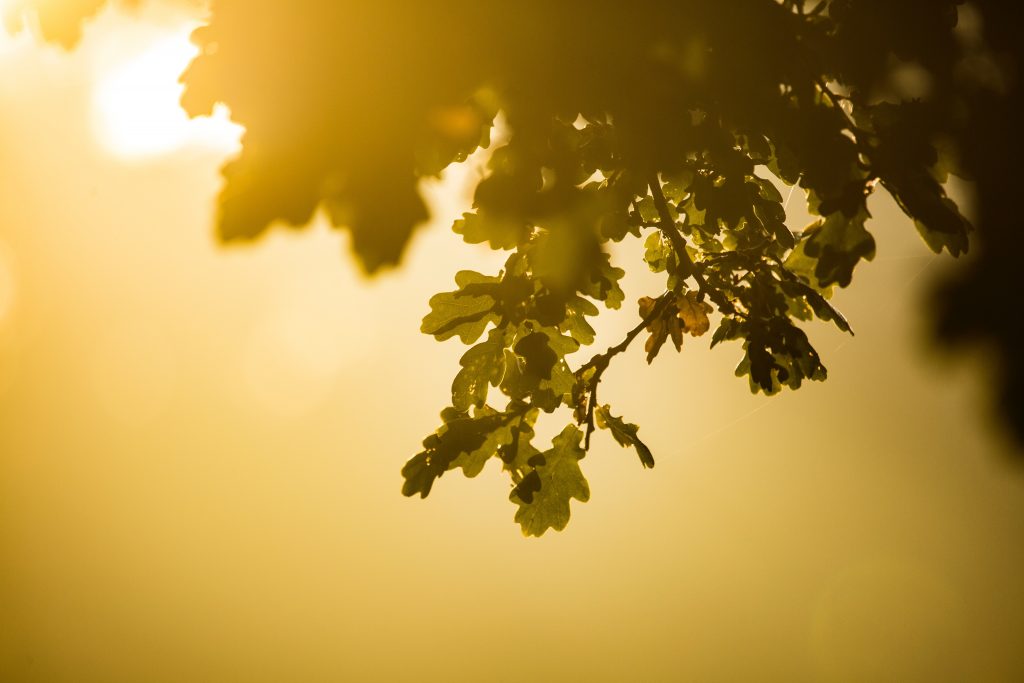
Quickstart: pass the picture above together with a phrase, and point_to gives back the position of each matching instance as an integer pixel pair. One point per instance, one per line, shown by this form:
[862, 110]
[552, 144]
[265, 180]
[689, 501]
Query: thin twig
[600, 362]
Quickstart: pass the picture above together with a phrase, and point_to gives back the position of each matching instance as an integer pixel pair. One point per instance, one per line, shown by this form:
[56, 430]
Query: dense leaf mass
[670, 122]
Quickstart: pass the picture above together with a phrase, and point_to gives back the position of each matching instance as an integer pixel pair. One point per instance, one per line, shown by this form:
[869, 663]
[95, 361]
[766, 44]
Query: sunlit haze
[200, 447]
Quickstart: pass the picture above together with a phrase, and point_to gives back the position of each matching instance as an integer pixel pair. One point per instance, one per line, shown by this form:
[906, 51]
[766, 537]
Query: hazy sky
[200, 450]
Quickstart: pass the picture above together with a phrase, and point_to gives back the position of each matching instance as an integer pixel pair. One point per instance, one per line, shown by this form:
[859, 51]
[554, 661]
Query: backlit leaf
[624, 433]
[555, 480]
[465, 312]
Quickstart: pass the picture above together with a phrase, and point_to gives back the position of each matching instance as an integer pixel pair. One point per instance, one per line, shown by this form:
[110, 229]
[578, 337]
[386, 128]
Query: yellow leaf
[693, 313]
[646, 306]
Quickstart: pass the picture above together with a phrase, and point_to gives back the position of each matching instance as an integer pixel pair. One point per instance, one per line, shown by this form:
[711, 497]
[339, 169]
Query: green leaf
[421, 471]
[519, 452]
[624, 433]
[465, 312]
[838, 243]
[647, 210]
[822, 308]
[728, 330]
[472, 461]
[766, 190]
[604, 283]
[575, 324]
[463, 441]
[676, 186]
[657, 252]
[779, 354]
[695, 217]
[538, 355]
[537, 370]
[481, 365]
[543, 495]
[558, 389]
[945, 228]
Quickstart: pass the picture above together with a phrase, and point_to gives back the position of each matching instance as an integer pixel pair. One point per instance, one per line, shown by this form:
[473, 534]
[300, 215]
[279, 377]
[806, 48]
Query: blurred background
[200, 448]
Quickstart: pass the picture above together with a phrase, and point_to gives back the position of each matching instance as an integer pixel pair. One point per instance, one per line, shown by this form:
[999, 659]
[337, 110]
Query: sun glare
[137, 109]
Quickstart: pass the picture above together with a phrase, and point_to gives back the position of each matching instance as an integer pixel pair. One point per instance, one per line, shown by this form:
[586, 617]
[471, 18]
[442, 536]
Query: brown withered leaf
[693, 313]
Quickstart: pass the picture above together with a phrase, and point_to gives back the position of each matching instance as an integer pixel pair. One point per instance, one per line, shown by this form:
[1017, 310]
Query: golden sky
[200, 449]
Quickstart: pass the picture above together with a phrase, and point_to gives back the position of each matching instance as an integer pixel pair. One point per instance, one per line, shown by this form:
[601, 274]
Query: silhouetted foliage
[670, 122]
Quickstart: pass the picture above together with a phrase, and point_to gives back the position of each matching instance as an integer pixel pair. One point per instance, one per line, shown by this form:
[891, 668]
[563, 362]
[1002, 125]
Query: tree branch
[687, 267]
[600, 362]
[668, 226]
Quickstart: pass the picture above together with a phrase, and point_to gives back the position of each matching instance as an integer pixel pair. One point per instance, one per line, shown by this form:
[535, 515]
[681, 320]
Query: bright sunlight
[136, 104]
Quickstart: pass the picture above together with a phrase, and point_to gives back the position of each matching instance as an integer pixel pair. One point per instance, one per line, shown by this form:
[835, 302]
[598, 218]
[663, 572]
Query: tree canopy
[674, 123]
